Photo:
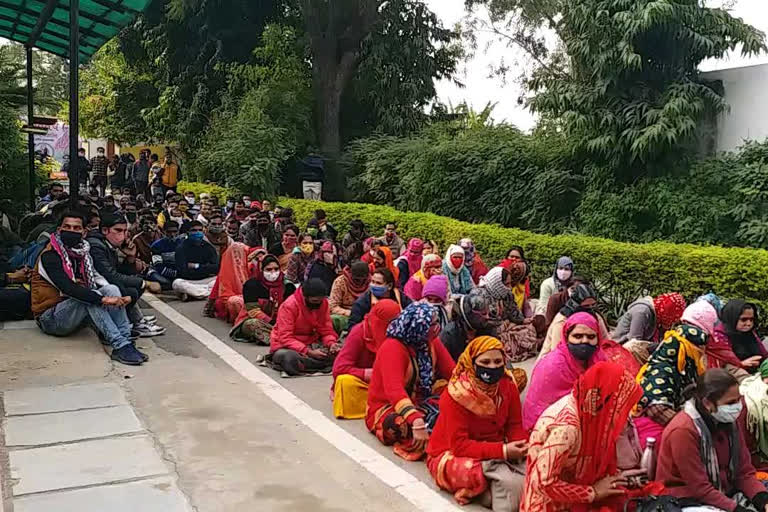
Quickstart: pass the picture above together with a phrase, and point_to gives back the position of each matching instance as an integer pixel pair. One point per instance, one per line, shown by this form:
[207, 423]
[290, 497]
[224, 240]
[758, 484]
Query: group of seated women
[422, 349]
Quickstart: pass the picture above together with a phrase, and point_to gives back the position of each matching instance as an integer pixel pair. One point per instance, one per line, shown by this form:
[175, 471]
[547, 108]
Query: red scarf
[376, 322]
[276, 288]
[355, 290]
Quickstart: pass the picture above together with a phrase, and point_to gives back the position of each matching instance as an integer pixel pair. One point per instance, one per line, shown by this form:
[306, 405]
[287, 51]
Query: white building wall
[746, 92]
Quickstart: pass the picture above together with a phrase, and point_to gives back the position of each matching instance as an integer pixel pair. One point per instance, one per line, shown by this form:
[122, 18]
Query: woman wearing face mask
[472, 260]
[514, 255]
[673, 366]
[382, 287]
[554, 374]
[227, 292]
[406, 381]
[284, 250]
[347, 288]
[325, 265]
[409, 263]
[431, 265]
[559, 281]
[573, 452]
[737, 331]
[302, 256]
[353, 367]
[583, 298]
[479, 430]
[458, 275]
[703, 458]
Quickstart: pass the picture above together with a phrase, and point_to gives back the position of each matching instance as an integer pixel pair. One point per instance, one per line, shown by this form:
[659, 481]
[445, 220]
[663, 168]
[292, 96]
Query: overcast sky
[480, 89]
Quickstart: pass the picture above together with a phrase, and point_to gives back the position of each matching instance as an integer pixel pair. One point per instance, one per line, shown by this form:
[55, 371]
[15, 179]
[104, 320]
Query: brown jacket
[342, 298]
[44, 294]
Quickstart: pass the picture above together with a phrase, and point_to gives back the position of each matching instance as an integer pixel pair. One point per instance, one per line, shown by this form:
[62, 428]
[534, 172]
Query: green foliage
[264, 119]
[221, 193]
[622, 270]
[14, 181]
[49, 78]
[624, 80]
[477, 173]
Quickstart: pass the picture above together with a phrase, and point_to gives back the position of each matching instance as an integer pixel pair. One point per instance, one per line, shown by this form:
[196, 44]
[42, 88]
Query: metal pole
[30, 136]
[74, 117]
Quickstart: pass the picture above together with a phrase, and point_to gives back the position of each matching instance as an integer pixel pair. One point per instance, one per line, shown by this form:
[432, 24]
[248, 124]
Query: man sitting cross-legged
[66, 290]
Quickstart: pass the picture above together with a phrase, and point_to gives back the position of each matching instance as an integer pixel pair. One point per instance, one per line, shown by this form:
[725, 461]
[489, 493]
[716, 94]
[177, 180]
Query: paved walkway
[215, 431]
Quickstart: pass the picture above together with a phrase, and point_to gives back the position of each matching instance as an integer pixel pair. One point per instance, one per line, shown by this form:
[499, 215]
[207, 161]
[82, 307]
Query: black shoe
[144, 356]
[128, 355]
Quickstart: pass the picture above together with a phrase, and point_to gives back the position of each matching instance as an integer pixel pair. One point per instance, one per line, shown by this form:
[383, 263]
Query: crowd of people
[422, 346]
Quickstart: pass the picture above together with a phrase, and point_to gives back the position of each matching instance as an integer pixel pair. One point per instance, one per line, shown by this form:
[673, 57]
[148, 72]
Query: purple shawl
[554, 376]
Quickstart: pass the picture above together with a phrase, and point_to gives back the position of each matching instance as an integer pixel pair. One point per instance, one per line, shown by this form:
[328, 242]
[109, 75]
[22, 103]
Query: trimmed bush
[621, 271]
[213, 189]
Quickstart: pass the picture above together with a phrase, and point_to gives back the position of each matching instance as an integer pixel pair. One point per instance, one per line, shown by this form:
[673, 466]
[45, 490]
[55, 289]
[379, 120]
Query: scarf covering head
[744, 343]
[325, 248]
[564, 261]
[459, 278]
[437, 286]
[411, 329]
[669, 308]
[714, 300]
[377, 321]
[580, 293]
[428, 262]
[755, 393]
[702, 315]
[554, 374]
[469, 251]
[389, 262]
[358, 269]
[277, 287]
[466, 389]
[234, 271]
[79, 255]
[493, 282]
[675, 364]
[415, 245]
[605, 396]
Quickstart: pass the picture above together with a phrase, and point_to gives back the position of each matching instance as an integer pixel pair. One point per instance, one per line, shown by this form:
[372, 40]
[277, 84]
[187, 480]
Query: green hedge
[622, 271]
[213, 189]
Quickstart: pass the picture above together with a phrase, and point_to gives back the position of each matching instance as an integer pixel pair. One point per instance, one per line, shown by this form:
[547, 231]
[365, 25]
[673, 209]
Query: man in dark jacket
[141, 173]
[197, 262]
[104, 247]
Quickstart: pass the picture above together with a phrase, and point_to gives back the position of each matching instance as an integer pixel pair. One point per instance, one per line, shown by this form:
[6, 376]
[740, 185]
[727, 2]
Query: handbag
[655, 504]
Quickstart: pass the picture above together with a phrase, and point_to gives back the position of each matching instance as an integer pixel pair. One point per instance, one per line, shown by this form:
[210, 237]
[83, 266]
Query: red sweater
[682, 470]
[393, 371]
[298, 327]
[466, 434]
[354, 358]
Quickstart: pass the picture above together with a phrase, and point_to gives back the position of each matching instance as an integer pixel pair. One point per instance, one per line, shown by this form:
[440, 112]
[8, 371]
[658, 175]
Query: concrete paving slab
[62, 398]
[20, 324]
[61, 427]
[81, 464]
[156, 495]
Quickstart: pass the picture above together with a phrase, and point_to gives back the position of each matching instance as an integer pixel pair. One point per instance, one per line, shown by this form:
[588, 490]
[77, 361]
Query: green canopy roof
[45, 23]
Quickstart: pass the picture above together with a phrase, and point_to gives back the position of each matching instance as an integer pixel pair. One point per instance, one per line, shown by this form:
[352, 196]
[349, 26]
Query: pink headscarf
[702, 315]
[555, 374]
[414, 255]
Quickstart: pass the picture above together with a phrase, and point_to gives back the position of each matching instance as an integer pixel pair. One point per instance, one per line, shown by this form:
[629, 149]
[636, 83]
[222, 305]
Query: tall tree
[623, 76]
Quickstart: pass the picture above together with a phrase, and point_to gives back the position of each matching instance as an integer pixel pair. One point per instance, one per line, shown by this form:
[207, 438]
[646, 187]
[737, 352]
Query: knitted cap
[437, 286]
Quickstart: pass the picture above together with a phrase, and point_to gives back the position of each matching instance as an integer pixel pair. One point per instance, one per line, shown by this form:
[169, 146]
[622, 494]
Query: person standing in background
[140, 173]
[171, 174]
[311, 174]
[99, 165]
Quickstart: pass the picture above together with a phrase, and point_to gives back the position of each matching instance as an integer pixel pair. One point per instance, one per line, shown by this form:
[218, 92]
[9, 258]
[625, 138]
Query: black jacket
[106, 263]
[204, 254]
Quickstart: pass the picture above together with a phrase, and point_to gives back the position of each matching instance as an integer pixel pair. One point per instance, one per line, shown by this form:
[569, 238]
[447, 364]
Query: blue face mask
[196, 236]
[379, 291]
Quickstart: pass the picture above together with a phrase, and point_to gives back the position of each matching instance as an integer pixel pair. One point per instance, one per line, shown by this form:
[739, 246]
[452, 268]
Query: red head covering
[605, 395]
[414, 255]
[276, 288]
[389, 262]
[669, 309]
[377, 321]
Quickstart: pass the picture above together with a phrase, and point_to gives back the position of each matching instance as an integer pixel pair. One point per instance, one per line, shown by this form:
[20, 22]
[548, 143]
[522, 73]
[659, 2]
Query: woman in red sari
[479, 429]
[572, 460]
[227, 292]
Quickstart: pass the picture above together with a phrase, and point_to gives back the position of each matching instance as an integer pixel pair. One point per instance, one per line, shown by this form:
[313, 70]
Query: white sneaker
[147, 331]
[151, 320]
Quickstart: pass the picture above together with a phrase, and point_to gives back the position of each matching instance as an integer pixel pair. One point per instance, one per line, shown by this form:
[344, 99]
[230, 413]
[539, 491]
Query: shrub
[213, 189]
[622, 271]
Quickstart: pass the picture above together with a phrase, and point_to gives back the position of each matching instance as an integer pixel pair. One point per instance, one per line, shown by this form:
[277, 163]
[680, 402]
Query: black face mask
[310, 305]
[131, 217]
[489, 375]
[582, 351]
[70, 239]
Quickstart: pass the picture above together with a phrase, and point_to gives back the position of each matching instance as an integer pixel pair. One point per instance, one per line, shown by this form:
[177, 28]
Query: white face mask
[563, 274]
[247, 203]
[272, 276]
[727, 413]
[191, 200]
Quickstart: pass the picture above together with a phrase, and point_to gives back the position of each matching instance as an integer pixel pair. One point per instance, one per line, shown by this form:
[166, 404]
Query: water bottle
[648, 461]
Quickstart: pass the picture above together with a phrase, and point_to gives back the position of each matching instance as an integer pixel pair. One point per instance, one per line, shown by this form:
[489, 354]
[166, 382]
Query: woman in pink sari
[554, 375]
